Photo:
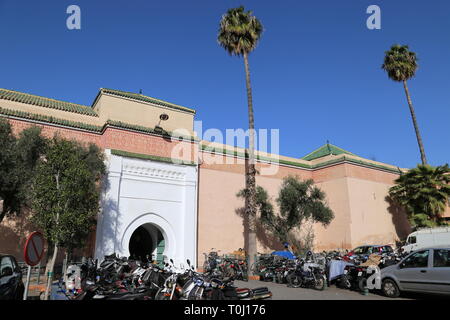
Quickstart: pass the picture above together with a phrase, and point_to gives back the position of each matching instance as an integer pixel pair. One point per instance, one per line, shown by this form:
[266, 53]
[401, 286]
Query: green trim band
[141, 156]
[301, 165]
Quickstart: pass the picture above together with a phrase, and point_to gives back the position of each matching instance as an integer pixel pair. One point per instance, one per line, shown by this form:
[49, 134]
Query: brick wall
[120, 139]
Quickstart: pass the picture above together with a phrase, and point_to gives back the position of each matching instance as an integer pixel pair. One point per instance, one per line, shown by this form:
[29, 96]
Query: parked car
[425, 270]
[426, 238]
[11, 284]
[365, 251]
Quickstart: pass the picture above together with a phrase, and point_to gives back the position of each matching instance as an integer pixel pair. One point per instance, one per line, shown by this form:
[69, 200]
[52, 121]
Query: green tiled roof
[89, 127]
[141, 97]
[46, 102]
[49, 119]
[326, 150]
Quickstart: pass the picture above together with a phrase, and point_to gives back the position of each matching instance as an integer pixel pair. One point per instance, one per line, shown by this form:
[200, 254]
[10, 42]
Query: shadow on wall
[267, 240]
[13, 233]
[108, 230]
[399, 219]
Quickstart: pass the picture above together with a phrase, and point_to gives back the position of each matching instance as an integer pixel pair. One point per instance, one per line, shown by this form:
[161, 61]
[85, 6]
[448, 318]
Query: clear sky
[316, 73]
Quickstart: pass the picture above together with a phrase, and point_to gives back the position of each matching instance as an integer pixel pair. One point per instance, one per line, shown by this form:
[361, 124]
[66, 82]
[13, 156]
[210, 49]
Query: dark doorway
[141, 244]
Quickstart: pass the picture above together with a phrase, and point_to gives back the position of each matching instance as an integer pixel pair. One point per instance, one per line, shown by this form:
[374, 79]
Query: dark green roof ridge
[85, 126]
[141, 97]
[49, 119]
[40, 101]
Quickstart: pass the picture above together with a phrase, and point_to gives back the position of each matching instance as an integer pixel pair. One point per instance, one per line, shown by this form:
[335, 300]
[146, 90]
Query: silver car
[425, 270]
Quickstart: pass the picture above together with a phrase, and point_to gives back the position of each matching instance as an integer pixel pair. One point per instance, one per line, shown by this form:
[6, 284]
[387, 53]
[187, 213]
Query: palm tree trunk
[416, 126]
[250, 172]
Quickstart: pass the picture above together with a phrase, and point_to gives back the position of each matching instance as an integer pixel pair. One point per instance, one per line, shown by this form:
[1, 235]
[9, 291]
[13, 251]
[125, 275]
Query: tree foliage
[424, 192]
[18, 159]
[298, 201]
[400, 63]
[66, 191]
[239, 31]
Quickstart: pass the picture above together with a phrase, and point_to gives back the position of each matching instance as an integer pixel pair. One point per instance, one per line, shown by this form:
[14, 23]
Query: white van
[429, 237]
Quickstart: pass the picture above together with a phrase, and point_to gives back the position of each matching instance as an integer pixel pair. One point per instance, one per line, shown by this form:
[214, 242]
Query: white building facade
[158, 197]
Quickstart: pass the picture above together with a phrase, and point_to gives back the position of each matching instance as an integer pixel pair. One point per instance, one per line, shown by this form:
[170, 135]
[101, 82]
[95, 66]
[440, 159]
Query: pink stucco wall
[355, 194]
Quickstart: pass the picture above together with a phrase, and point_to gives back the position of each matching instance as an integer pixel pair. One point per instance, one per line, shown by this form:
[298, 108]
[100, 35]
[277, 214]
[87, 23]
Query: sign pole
[25, 293]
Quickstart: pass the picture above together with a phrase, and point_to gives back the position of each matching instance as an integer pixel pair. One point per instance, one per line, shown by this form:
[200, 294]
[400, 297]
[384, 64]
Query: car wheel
[390, 288]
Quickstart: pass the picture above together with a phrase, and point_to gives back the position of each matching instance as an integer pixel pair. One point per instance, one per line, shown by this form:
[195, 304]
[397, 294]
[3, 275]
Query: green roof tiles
[46, 102]
[141, 97]
[325, 150]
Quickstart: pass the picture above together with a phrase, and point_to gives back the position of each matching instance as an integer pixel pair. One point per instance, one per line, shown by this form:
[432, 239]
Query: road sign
[34, 249]
[33, 252]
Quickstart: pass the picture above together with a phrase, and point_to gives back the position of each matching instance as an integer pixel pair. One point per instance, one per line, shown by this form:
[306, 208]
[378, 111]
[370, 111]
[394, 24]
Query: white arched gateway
[148, 207]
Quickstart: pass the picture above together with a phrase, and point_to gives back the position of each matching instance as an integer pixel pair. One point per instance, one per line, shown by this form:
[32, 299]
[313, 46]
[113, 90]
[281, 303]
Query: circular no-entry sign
[34, 248]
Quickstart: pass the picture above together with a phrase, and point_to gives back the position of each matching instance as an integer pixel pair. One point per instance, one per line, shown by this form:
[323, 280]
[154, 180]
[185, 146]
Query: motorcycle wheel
[295, 281]
[320, 284]
[345, 282]
[161, 296]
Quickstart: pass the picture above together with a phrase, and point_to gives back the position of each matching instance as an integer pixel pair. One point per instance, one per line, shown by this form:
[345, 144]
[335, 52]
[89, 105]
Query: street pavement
[282, 292]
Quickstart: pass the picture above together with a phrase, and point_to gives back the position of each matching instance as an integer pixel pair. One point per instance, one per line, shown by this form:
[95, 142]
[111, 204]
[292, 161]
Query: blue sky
[316, 73]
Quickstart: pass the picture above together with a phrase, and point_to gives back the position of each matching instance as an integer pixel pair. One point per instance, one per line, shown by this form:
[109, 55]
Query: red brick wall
[114, 138]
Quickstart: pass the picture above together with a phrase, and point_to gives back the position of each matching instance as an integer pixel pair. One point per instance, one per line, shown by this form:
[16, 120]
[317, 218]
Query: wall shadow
[262, 235]
[399, 218]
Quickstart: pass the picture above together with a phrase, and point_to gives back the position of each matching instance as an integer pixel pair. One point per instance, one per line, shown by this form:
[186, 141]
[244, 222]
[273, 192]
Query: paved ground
[282, 292]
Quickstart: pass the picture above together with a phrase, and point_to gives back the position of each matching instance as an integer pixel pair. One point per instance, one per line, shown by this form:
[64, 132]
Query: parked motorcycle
[307, 275]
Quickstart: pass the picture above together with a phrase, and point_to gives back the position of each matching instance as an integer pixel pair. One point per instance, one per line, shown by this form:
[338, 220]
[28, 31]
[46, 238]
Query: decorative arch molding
[160, 223]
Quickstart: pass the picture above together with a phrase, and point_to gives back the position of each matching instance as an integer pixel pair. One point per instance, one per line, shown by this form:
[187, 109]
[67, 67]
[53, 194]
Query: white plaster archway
[157, 221]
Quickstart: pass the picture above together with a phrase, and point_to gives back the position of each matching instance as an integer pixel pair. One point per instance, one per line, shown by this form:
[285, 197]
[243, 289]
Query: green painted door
[159, 252]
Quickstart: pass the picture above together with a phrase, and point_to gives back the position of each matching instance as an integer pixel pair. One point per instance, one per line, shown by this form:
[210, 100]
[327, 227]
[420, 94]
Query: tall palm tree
[239, 33]
[401, 65]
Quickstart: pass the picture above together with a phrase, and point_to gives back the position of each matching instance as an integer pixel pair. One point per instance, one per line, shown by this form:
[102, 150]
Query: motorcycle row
[319, 270]
[307, 272]
[129, 279]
